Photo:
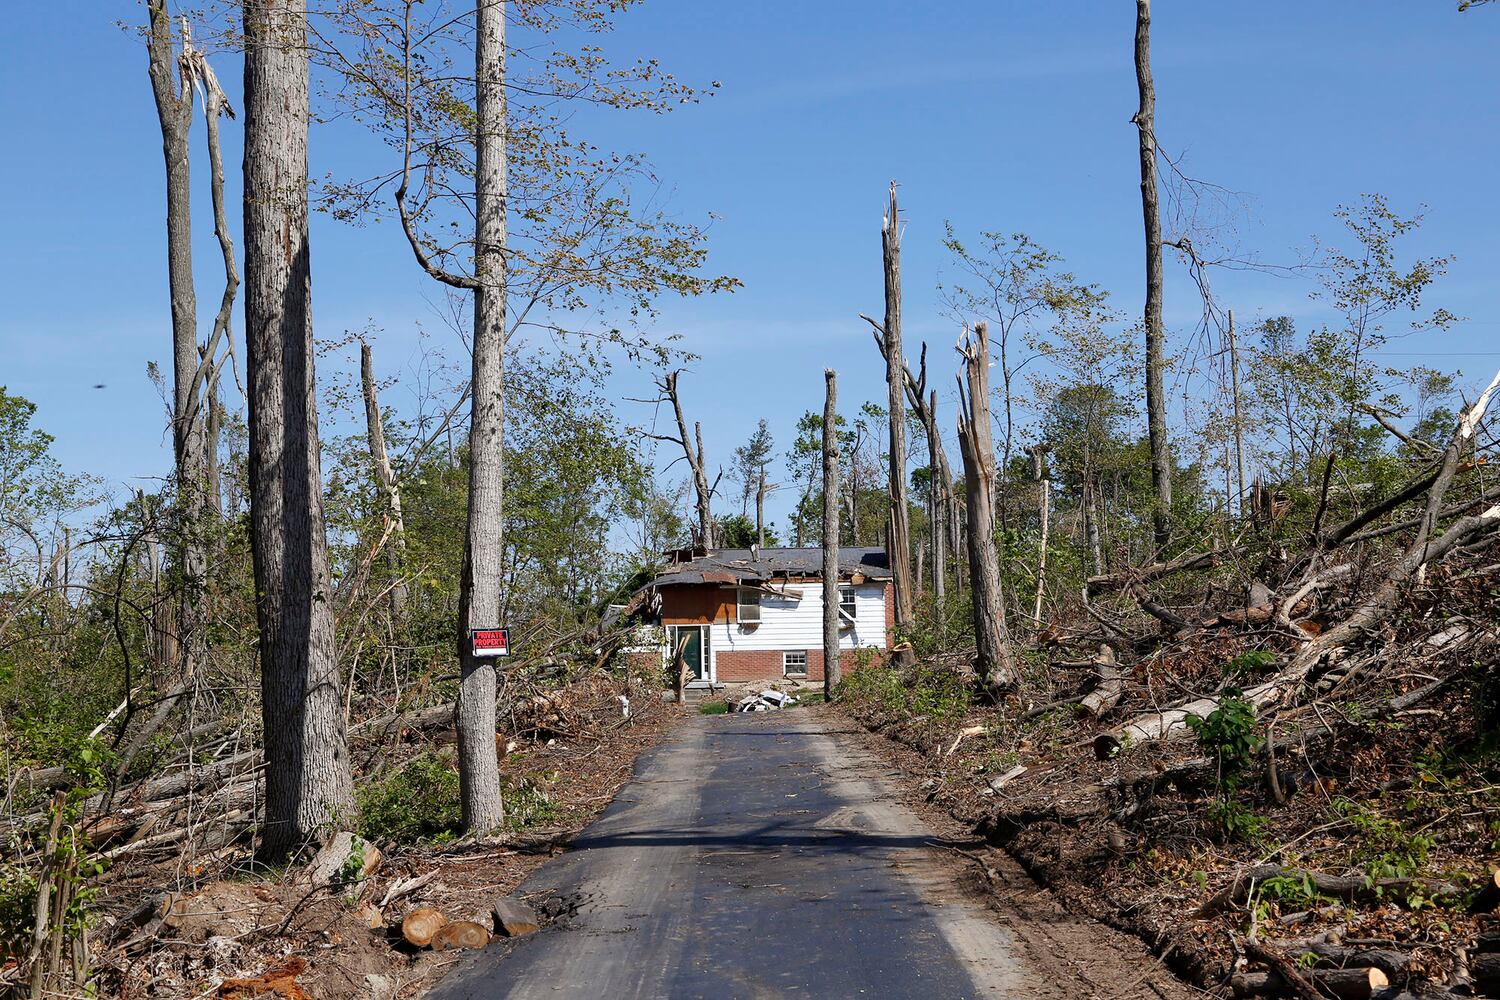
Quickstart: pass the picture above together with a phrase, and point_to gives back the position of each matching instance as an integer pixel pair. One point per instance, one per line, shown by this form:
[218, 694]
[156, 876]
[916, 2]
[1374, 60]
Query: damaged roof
[734, 566]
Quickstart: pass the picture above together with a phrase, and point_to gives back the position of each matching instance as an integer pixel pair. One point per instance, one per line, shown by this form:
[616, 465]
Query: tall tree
[308, 781]
[898, 530]
[696, 457]
[480, 584]
[173, 94]
[831, 666]
[995, 663]
[1156, 403]
[750, 461]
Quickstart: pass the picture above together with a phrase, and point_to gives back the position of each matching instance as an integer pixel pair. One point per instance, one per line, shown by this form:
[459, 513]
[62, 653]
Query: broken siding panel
[798, 625]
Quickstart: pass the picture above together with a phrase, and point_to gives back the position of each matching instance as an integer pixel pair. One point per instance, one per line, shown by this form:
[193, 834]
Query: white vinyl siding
[786, 623]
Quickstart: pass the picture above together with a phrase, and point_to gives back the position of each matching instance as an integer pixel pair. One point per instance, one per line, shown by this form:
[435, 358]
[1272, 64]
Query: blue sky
[996, 115]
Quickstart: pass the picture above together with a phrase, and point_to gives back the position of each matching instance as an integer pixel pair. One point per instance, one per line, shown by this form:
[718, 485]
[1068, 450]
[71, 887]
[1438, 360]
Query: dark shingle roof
[742, 565]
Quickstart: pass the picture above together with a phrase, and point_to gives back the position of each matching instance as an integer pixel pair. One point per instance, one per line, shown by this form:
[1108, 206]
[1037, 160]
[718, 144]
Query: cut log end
[461, 934]
[421, 925]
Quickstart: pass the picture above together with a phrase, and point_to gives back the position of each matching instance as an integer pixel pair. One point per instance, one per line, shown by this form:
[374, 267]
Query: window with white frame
[846, 606]
[794, 663]
[747, 611]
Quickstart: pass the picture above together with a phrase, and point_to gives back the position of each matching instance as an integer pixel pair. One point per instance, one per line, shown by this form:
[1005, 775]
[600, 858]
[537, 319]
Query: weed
[1228, 733]
[419, 802]
[1237, 821]
[713, 707]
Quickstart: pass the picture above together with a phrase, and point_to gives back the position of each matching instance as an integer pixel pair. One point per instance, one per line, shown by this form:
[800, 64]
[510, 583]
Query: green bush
[921, 691]
[1228, 734]
[419, 802]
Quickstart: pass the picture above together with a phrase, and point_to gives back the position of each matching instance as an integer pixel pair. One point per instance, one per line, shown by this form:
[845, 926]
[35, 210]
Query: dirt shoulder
[233, 931]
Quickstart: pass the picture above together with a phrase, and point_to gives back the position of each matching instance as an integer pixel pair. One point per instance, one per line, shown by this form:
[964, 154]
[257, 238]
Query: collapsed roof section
[754, 566]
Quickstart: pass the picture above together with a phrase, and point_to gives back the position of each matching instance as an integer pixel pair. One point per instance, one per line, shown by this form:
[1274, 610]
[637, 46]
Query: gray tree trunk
[898, 534]
[1239, 420]
[832, 673]
[760, 510]
[385, 477]
[692, 450]
[479, 588]
[1156, 402]
[994, 661]
[308, 783]
[174, 110]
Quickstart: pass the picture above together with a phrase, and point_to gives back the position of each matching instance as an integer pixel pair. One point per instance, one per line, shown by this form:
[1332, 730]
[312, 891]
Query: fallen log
[1108, 685]
[1349, 888]
[1344, 984]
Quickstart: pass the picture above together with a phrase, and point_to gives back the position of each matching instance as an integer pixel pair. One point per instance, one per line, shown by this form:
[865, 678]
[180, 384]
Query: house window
[846, 605]
[747, 611]
[794, 664]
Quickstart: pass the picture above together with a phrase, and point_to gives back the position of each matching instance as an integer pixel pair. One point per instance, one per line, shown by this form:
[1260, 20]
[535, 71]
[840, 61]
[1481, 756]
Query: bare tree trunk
[385, 476]
[1156, 403]
[898, 540]
[939, 485]
[692, 450]
[1091, 525]
[1038, 454]
[1239, 420]
[174, 109]
[479, 588]
[308, 783]
[995, 663]
[760, 510]
[832, 672]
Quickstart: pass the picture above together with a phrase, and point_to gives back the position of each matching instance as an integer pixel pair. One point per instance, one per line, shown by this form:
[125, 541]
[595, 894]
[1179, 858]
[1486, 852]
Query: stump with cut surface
[515, 918]
[421, 925]
[1345, 984]
[461, 934]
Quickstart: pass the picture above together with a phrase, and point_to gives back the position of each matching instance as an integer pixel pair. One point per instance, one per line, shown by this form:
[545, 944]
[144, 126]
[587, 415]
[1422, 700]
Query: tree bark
[760, 510]
[1156, 404]
[692, 450]
[1038, 454]
[995, 663]
[831, 666]
[385, 477]
[898, 540]
[308, 783]
[1239, 420]
[479, 588]
[174, 110]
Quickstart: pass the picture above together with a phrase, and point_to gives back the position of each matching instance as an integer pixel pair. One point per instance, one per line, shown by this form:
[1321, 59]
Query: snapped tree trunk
[1156, 403]
[1038, 453]
[174, 111]
[898, 534]
[479, 587]
[385, 478]
[940, 483]
[831, 666]
[1239, 420]
[692, 450]
[760, 510]
[992, 644]
[308, 783]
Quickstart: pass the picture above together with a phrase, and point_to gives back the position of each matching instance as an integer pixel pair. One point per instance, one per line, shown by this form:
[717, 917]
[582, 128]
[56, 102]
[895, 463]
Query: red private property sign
[490, 641]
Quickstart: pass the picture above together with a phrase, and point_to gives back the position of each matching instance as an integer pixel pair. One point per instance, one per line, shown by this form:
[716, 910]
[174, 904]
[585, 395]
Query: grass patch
[713, 707]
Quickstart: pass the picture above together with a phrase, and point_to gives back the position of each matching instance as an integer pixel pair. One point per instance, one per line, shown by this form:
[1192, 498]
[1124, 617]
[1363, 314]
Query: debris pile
[769, 700]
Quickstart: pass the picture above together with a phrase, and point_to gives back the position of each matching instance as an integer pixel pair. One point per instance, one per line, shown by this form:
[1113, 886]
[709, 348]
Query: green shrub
[528, 804]
[419, 802]
[1228, 734]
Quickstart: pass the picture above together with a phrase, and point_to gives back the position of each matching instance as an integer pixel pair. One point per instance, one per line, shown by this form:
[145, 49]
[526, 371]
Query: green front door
[695, 653]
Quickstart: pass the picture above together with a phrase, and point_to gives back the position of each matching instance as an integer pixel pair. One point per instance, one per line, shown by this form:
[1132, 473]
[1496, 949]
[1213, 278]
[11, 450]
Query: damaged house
[749, 615]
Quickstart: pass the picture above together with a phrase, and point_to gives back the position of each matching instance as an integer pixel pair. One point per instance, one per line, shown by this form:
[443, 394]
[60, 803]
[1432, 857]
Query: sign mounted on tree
[490, 641]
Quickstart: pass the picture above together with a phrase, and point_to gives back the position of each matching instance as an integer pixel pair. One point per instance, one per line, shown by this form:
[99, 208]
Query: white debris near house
[767, 701]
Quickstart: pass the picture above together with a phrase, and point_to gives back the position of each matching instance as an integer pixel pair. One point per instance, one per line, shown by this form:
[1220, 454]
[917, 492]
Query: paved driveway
[753, 856]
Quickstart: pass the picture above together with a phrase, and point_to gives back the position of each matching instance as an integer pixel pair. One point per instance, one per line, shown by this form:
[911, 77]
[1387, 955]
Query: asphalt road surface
[754, 856]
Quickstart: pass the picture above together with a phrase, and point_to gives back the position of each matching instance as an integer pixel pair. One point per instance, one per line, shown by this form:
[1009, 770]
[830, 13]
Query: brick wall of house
[766, 665]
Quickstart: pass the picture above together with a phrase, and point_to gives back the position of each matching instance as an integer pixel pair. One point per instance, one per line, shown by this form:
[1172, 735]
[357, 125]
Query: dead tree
[941, 504]
[1239, 420]
[693, 453]
[1038, 453]
[1426, 547]
[994, 661]
[898, 526]
[173, 94]
[385, 478]
[1156, 403]
[308, 782]
[831, 666]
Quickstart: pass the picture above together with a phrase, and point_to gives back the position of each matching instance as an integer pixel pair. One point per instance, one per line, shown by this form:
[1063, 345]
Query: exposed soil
[235, 931]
